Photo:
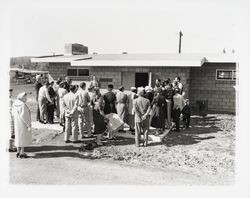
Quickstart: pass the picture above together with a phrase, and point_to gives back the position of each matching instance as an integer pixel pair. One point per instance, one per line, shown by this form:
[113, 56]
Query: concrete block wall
[113, 73]
[171, 72]
[163, 73]
[57, 70]
[220, 94]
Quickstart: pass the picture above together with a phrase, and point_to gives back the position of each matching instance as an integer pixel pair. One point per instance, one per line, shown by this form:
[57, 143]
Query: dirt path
[70, 170]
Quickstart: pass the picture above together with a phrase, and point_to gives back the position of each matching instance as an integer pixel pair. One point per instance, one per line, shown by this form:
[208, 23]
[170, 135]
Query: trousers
[42, 104]
[176, 118]
[84, 121]
[71, 126]
[141, 128]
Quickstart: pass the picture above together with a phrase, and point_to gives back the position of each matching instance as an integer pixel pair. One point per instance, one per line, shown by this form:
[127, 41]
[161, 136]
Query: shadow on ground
[200, 126]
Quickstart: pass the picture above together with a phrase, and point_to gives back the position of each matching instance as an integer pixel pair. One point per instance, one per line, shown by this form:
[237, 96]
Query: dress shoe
[17, 155]
[12, 150]
[67, 141]
[24, 156]
[77, 141]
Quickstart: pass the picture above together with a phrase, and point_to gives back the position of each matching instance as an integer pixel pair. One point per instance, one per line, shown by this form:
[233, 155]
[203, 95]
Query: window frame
[226, 70]
[77, 72]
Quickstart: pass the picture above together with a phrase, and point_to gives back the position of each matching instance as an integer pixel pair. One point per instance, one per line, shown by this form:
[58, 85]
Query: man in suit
[141, 108]
[38, 85]
[70, 104]
[68, 82]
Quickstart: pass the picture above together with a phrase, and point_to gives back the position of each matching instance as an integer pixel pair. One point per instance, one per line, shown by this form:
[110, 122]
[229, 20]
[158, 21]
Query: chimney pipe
[180, 35]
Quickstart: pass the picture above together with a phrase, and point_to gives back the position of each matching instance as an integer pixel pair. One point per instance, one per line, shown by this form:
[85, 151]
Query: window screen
[72, 72]
[83, 72]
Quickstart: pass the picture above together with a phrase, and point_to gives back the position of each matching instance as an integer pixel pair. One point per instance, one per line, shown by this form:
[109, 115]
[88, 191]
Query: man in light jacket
[141, 108]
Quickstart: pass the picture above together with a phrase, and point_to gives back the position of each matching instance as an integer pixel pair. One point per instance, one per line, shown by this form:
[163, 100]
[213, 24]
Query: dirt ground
[201, 155]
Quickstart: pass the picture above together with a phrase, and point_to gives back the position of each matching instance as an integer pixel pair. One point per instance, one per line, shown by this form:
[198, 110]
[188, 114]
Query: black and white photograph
[136, 94]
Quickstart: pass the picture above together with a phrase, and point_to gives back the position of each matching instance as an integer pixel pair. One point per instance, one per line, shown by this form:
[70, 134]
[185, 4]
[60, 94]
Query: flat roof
[135, 60]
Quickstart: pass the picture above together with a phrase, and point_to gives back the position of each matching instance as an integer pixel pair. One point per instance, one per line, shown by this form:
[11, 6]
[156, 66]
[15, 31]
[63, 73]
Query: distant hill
[24, 61]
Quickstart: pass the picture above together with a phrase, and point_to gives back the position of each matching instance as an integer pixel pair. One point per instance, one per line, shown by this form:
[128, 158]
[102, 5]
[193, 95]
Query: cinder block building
[207, 78]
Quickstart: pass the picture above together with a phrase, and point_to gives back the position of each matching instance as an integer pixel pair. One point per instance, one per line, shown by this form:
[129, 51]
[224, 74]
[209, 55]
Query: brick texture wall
[171, 72]
[57, 70]
[157, 72]
[220, 94]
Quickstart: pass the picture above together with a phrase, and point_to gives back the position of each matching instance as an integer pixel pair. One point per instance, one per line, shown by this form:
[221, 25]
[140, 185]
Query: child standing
[186, 113]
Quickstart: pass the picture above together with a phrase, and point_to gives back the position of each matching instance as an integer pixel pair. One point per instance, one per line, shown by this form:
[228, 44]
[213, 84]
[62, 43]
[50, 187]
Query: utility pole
[180, 35]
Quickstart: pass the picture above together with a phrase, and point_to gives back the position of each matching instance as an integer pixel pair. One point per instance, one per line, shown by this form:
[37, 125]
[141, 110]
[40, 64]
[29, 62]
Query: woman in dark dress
[159, 106]
[110, 100]
[98, 116]
[51, 106]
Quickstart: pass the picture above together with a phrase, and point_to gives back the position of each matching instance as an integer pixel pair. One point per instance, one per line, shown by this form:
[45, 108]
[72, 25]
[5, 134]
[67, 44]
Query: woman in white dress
[22, 124]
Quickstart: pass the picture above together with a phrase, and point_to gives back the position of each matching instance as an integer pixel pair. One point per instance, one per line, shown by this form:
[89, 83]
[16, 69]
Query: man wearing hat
[43, 98]
[110, 100]
[83, 109]
[149, 93]
[141, 108]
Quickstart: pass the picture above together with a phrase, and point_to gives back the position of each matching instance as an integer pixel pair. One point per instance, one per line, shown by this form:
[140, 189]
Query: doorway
[141, 79]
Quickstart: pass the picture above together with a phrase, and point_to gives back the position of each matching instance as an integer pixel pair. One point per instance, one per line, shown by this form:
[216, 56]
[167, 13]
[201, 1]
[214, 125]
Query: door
[141, 79]
[128, 80]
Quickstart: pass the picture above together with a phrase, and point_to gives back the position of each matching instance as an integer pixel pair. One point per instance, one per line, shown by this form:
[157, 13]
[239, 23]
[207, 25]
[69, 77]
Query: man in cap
[141, 108]
[83, 109]
[70, 104]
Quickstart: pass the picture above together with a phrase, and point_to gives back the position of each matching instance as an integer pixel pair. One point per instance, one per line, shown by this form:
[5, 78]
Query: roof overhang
[28, 71]
[59, 59]
[139, 63]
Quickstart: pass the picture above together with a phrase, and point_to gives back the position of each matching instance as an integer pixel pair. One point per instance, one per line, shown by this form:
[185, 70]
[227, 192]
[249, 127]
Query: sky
[109, 26]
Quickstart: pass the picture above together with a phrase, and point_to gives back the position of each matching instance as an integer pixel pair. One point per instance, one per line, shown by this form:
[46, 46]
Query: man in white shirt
[70, 104]
[43, 97]
[83, 109]
[179, 103]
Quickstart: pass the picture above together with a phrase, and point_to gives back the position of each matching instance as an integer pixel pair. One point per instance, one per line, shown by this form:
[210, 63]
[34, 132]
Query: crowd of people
[86, 112]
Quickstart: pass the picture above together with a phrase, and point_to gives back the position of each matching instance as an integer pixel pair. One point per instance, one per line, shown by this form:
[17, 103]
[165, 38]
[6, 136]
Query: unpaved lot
[201, 155]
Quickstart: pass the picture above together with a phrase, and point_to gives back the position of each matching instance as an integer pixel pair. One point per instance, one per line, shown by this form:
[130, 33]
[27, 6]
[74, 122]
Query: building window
[225, 74]
[83, 72]
[72, 72]
[106, 80]
[77, 72]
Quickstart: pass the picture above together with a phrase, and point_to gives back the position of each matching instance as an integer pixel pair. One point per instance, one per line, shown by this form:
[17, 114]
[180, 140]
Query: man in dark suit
[38, 85]
[141, 108]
